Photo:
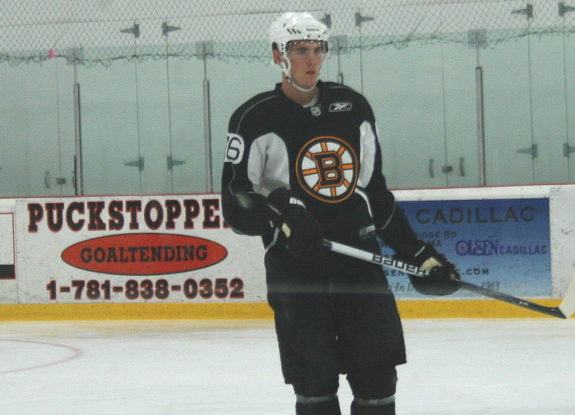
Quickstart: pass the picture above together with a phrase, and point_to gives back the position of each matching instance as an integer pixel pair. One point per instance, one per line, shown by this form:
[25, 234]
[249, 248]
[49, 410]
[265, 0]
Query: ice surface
[456, 367]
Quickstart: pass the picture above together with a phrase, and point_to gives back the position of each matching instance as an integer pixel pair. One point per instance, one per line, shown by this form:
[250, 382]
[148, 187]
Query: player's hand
[443, 278]
[301, 230]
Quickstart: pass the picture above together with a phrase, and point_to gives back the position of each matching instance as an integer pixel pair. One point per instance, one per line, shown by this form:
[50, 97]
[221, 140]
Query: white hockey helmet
[294, 26]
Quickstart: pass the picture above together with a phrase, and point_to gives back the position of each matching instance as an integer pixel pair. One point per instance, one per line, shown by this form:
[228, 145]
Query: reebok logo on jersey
[340, 107]
[327, 169]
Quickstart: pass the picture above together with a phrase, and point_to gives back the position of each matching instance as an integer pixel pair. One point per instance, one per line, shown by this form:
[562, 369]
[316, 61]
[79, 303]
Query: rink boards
[412, 309]
[172, 256]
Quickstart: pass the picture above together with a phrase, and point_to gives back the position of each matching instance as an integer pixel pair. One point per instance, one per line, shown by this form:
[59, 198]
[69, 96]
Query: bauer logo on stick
[327, 169]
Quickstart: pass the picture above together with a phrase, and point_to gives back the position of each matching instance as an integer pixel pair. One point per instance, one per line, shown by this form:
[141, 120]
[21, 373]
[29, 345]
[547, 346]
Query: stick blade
[567, 306]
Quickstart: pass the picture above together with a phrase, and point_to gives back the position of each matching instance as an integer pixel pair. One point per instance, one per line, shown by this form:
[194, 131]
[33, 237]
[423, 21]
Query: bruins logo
[327, 169]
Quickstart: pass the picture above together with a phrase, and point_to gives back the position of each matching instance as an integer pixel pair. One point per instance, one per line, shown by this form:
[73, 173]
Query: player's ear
[276, 56]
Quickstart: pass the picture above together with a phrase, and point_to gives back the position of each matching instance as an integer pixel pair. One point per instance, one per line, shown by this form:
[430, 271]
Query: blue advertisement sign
[500, 244]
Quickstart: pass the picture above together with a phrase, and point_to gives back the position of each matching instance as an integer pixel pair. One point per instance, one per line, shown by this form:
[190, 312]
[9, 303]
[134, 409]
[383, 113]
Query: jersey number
[234, 149]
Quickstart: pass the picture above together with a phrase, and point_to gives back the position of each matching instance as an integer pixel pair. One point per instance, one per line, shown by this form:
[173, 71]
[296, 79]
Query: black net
[104, 31]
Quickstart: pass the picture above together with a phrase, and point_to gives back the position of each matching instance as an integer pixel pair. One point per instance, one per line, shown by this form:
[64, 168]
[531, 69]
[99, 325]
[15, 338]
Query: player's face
[306, 58]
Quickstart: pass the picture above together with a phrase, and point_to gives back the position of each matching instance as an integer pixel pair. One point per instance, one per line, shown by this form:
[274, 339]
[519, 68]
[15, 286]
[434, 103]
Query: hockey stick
[564, 310]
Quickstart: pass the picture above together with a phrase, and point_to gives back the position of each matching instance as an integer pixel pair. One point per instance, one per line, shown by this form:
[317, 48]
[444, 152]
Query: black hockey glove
[289, 214]
[443, 278]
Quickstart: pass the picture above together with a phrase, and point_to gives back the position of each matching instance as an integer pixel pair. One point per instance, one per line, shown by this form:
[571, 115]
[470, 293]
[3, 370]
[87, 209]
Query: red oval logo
[144, 254]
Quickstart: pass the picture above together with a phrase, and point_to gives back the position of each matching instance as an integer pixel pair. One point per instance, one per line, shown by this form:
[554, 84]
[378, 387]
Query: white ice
[456, 367]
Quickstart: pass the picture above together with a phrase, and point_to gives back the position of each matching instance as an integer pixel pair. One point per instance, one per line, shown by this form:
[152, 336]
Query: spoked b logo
[327, 169]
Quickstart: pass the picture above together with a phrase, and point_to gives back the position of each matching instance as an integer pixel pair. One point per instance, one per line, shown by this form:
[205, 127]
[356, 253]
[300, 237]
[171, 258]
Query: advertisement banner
[7, 262]
[500, 244]
[176, 249]
[133, 249]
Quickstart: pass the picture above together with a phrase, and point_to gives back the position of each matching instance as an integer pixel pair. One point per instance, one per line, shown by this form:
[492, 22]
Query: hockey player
[303, 163]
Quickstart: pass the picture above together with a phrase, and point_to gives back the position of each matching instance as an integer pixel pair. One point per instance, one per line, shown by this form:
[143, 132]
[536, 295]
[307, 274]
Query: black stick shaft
[418, 272]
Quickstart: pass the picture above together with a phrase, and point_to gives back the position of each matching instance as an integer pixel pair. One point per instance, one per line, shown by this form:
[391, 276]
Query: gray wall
[138, 114]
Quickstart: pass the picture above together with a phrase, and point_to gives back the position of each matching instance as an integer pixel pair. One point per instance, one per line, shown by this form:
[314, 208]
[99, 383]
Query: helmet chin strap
[286, 70]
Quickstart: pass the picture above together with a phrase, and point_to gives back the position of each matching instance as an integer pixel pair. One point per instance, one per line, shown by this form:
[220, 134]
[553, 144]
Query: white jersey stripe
[268, 164]
[367, 153]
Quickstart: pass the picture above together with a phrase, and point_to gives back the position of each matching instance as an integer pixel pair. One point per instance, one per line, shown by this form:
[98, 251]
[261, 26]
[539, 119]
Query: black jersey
[328, 154]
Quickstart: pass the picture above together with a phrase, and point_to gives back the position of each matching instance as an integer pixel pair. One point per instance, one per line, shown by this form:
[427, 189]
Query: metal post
[480, 125]
[207, 135]
[78, 169]
[205, 49]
